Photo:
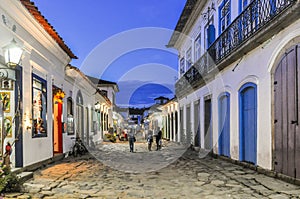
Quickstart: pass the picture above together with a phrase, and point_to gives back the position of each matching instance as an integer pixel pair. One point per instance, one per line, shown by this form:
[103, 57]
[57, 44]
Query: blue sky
[121, 41]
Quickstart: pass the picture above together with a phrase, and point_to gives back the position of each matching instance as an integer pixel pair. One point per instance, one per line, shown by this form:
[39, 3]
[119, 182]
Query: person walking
[131, 139]
[158, 140]
[149, 141]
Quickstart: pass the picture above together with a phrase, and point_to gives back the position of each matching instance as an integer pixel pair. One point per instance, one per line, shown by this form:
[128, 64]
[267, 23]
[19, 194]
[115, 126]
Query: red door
[57, 126]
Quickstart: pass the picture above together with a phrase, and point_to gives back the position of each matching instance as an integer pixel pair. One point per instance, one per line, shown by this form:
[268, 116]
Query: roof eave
[33, 10]
[185, 14]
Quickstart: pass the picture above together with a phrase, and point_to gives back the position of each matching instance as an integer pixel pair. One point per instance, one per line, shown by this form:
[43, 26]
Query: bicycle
[78, 148]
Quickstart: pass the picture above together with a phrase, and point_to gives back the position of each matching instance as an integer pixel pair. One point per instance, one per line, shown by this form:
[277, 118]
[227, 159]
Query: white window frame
[198, 47]
[188, 56]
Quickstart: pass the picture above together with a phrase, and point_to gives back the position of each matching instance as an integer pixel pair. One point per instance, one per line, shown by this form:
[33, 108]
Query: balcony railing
[250, 21]
[254, 18]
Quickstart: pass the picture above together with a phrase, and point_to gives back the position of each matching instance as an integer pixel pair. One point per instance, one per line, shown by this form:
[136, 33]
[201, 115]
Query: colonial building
[124, 112]
[238, 80]
[108, 89]
[30, 96]
[86, 109]
[155, 118]
[161, 100]
[45, 102]
[136, 115]
[170, 120]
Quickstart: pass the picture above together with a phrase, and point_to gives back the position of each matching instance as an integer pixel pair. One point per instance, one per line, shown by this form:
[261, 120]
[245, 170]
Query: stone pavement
[121, 174]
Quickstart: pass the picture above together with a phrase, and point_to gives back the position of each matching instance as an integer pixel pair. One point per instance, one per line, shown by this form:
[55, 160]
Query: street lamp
[12, 54]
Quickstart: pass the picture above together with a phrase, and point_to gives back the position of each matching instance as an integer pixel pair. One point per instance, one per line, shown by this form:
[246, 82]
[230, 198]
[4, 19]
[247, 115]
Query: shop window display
[39, 106]
[70, 118]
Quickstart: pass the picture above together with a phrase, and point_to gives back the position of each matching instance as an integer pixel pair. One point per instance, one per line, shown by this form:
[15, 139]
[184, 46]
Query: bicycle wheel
[75, 150]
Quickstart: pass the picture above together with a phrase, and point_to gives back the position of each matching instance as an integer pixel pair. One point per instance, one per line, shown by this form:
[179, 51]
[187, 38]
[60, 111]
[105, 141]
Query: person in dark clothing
[149, 141]
[131, 140]
[158, 140]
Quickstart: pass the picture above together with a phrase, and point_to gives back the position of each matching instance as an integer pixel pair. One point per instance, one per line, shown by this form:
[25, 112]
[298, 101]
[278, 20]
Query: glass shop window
[70, 117]
[39, 107]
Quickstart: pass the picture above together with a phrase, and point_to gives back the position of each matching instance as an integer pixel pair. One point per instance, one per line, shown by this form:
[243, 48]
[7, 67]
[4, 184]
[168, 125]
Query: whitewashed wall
[254, 67]
[42, 57]
[72, 86]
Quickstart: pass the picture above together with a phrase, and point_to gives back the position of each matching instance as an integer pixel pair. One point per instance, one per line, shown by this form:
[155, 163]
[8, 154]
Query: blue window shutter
[211, 35]
[220, 18]
[242, 5]
[225, 20]
[245, 3]
[272, 7]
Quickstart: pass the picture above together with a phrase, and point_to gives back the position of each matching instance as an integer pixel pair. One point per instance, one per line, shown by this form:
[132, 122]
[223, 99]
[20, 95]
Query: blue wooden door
[248, 123]
[224, 125]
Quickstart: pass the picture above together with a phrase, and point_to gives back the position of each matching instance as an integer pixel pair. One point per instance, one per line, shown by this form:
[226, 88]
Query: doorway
[248, 123]
[197, 123]
[57, 120]
[224, 125]
[188, 125]
[207, 123]
[286, 114]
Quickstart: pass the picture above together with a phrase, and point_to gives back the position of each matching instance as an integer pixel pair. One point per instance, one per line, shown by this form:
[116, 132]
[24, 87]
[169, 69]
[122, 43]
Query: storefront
[31, 116]
[87, 109]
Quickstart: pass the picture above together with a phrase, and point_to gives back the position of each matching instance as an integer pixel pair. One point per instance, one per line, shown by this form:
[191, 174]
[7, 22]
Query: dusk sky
[121, 41]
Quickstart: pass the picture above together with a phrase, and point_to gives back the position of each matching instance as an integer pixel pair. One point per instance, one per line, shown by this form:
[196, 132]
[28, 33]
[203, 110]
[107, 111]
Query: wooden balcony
[260, 21]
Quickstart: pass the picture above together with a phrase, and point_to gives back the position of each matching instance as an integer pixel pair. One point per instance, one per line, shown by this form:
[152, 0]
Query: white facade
[85, 113]
[170, 120]
[256, 66]
[43, 88]
[108, 90]
[42, 57]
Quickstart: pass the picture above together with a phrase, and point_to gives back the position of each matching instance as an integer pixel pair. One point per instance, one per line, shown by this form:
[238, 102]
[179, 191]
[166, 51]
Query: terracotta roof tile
[47, 26]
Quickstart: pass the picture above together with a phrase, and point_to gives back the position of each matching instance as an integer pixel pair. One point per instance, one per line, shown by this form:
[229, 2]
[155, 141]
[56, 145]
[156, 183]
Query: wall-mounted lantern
[12, 54]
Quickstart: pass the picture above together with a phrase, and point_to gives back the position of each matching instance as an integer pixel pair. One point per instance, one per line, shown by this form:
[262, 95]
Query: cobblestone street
[121, 174]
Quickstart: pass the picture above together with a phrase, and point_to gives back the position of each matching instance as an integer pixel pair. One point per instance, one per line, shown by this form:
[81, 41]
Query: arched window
[79, 99]
[79, 116]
